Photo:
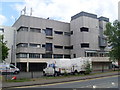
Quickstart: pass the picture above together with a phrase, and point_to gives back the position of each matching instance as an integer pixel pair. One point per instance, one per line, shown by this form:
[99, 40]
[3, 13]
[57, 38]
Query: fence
[22, 75]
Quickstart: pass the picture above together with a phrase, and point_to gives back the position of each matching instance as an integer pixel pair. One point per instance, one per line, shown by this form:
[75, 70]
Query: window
[84, 29]
[67, 33]
[48, 46]
[58, 47]
[84, 45]
[48, 31]
[46, 55]
[21, 55]
[68, 47]
[2, 29]
[66, 56]
[71, 32]
[22, 28]
[58, 32]
[22, 45]
[35, 45]
[34, 55]
[11, 66]
[74, 55]
[58, 56]
[43, 45]
[35, 30]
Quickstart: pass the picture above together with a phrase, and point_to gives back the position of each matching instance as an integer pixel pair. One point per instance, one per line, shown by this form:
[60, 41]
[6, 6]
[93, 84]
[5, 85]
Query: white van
[79, 64]
[8, 68]
[58, 67]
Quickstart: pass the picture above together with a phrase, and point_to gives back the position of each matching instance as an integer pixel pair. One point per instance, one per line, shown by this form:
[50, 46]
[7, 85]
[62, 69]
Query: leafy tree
[113, 36]
[3, 49]
[88, 68]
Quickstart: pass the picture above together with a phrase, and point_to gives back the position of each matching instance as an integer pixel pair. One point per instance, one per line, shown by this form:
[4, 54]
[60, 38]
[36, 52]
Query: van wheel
[16, 72]
[75, 72]
[44, 74]
[56, 74]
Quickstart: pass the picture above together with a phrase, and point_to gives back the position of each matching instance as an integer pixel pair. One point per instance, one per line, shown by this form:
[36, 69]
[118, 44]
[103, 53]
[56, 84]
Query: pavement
[43, 81]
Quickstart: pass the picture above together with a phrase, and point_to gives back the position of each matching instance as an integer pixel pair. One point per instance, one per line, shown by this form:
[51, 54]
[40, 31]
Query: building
[87, 38]
[39, 40]
[9, 33]
[119, 10]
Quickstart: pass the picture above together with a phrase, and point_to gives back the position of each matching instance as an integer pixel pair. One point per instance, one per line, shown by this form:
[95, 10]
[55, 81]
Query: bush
[88, 69]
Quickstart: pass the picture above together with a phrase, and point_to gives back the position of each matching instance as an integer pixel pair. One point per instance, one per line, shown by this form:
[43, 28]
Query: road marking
[101, 85]
[94, 86]
[64, 82]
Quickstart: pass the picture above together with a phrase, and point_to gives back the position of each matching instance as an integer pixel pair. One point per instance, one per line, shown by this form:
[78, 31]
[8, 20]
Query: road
[104, 82]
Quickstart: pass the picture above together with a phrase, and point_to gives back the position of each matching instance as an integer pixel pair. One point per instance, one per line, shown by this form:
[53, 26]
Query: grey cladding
[83, 14]
[103, 19]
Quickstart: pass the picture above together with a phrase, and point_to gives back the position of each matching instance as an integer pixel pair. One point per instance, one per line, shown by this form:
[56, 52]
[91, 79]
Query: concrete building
[9, 33]
[39, 40]
[119, 10]
[87, 38]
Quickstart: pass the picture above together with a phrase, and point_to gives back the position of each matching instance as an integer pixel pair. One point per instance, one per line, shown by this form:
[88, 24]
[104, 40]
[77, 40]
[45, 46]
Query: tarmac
[43, 81]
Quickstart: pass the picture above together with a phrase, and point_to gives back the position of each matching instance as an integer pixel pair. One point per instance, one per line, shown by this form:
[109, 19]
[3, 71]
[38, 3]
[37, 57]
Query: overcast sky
[61, 10]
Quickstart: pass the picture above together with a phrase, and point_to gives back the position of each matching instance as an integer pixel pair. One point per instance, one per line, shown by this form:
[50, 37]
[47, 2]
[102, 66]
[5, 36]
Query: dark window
[84, 29]
[2, 29]
[43, 45]
[58, 32]
[66, 56]
[22, 28]
[46, 55]
[35, 30]
[35, 45]
[11, 66]
[67, 33]
[58, 56]
[59, 47]
[71, 32]
[21, 55]
[34, 55]
[84, 45]
[48, 46]
[22, 45]
[68, 47]
[48, 31]
[74, 55]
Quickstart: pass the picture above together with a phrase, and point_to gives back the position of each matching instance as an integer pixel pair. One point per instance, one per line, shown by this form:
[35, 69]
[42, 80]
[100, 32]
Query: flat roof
[84, 14]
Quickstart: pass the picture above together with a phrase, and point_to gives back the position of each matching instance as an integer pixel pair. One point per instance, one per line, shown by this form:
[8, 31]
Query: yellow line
[64, 82]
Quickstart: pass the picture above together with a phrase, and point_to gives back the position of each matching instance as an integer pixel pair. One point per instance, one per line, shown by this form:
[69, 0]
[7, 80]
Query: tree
[88, 68]
[3, 48]
[113, 36]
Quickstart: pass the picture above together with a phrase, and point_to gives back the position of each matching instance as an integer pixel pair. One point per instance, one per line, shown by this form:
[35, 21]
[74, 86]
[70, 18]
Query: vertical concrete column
[27, 62]
[27, 66]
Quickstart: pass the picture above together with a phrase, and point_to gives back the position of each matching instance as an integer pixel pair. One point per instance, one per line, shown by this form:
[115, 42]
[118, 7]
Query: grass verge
[19, 80]
[57, 77]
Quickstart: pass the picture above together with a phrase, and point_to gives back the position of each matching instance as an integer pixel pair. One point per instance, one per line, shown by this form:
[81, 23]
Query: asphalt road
[104, 82]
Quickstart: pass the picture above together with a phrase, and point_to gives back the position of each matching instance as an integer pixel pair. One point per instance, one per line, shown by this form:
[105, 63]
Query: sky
[60, 10]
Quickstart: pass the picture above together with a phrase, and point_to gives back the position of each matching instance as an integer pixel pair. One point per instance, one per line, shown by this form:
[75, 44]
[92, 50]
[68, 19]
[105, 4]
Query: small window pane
[58, 56]
[84, 45]
[35, 45]
[58, 47]
[46, 55]
[58, 32]
[84, 29]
